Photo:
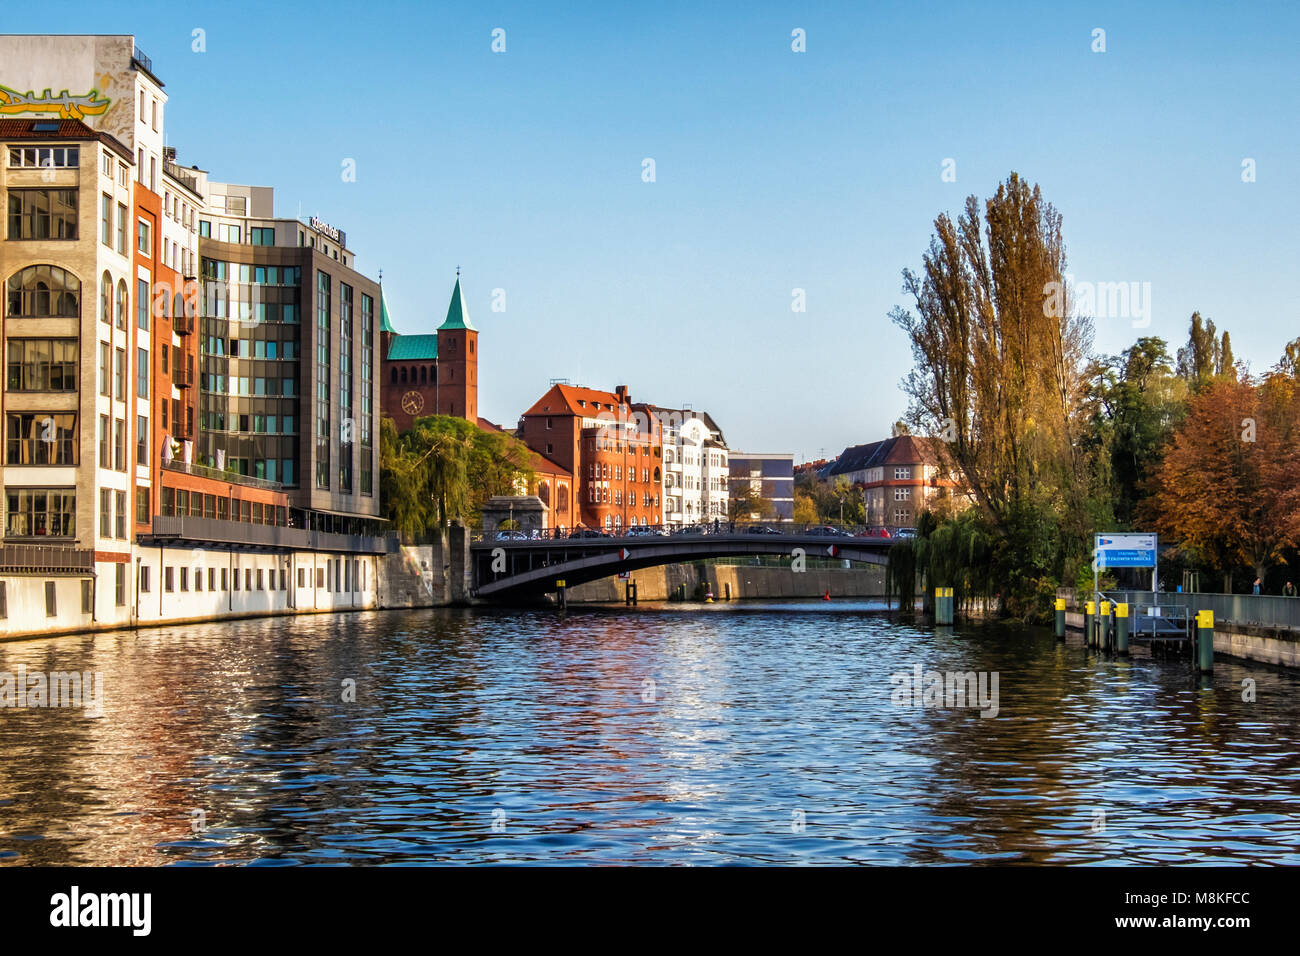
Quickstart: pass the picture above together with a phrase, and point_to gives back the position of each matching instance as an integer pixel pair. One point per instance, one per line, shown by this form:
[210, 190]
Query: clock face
[412, 403]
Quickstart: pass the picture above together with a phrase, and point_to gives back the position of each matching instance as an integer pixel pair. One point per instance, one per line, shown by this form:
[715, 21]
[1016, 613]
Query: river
[679, 734]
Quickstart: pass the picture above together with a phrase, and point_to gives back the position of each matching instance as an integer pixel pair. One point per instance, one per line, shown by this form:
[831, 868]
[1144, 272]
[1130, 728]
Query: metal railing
[642, 532]
[203, 471]
[1242, 610]
[220, 531]
[20, 558]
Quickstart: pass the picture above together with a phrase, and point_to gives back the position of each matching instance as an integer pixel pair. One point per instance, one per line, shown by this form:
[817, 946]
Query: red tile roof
[15, 129]
[568, 399]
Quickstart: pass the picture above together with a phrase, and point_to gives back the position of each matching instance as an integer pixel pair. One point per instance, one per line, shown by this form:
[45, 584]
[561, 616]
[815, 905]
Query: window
[119, 584]
[261, 236]
[205, 228]
[141, 373]
[198, 579]
[41, 512]
[40, 438]
[42, 365]
[259, 579]
[900, 516]
[105, 512]
[142, 507]
[903, 472]
[224, 581]
[31, 157]
[44, 291]
[119, 305]
[119, 444]
[248, 579]
[51, 608]
[144, 578]
[121, 228]
[902, 494]
[169, 583]
[108, 165]
[141, 442]
[212, 579]
[185, 578]
[142, 304]
[119, 374]
[42, 214]
[119, 515]
[143, 244]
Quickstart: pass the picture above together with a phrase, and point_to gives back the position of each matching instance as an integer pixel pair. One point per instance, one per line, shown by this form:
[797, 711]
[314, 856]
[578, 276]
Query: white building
[696, 469]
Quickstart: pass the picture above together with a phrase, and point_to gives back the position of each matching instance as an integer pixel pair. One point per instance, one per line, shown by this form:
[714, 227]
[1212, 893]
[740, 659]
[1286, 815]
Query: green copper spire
[457, 314]
[384, 324]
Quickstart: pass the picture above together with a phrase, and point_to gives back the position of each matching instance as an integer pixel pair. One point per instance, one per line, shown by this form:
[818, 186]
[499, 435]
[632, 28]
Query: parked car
[590, 533]
[827, 531]
[760, 529]
[905, 533]
[690, 529]
[874, 533]
[512, 535]
[644, 531]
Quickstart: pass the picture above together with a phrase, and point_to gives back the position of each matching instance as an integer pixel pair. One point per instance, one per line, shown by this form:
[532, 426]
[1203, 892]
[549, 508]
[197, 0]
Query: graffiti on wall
[64, 105]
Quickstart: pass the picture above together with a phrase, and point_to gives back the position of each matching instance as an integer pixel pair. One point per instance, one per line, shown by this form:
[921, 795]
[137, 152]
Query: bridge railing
[643, 532]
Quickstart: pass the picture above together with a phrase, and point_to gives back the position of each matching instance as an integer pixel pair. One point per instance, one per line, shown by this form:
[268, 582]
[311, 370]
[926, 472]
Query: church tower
[458, 361]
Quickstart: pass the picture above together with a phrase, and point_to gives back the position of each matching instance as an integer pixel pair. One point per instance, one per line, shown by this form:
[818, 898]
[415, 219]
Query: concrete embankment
[1281, 648]
[744, 582]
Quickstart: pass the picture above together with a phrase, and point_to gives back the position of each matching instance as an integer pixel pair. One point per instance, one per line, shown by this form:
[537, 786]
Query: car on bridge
[513, 536]
[905, 533]
[873, 533]
[589, 533]
[827, 531]
[645, 531]
[760, 529]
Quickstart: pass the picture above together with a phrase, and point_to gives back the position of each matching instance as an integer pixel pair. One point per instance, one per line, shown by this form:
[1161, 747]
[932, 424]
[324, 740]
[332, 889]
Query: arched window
[106, 298]
[424, 375]
[119, 306]
[608, 522]
[544, 492]
[44, 291]
[656, 476]
[434, 376]
[393, 376]
[403, 376]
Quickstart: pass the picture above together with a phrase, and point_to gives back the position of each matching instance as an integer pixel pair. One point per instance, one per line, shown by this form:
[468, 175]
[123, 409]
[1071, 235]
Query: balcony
[185, 177]
[183, 324]
[182, 378]
[45, 559]
[203, 471]
[275, 537]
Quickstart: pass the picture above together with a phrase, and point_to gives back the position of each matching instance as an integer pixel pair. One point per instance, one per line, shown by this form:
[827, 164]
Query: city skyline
[775, 170]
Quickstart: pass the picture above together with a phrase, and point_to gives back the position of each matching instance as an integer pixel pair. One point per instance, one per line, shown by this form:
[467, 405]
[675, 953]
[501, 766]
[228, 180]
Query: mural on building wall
[64, 105]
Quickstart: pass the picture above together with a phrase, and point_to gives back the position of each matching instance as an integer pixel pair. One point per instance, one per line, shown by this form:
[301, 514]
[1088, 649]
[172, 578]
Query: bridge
[508, 569]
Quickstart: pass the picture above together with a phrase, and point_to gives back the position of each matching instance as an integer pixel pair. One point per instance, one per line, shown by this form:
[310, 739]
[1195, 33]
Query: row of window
[601, 495]
[601, 471]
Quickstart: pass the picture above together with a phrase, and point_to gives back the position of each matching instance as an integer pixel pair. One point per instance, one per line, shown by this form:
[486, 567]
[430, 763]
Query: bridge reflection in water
[526, 568]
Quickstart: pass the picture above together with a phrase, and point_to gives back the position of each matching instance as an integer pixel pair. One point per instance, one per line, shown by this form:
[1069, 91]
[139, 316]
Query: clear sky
[774, 170]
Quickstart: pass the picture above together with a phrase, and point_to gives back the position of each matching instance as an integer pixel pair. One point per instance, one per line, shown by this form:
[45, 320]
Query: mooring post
[1089, 612]
[1103, 637]
[1121, 628]
[726, 587]
[634, 593]
[627, 593]
[1060, 619]
[943, 606]
[564, 599]
[1205, 640]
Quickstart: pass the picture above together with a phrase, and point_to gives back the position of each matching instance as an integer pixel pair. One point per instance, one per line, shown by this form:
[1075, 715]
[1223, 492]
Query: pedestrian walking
[1255, 589]
[1288, 590]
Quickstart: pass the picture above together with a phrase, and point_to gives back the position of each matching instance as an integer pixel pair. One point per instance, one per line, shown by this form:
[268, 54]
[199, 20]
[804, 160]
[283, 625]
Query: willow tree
[999, 358]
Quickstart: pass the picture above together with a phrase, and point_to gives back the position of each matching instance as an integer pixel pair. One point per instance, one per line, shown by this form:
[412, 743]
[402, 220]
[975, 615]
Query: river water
[683, 734]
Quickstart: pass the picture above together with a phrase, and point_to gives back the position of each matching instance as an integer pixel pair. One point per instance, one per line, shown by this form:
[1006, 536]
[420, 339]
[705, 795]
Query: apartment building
[896, 477]
[696, 466]
[613, 450]
[180, 441]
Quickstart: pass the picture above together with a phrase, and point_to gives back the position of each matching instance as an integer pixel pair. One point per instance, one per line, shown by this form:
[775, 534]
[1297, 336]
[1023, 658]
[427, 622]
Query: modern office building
[770, 476]
[190, 397]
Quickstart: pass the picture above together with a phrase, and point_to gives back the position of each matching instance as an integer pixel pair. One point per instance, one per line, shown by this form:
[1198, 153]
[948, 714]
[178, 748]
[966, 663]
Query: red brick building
[430, 374]
[613, 452]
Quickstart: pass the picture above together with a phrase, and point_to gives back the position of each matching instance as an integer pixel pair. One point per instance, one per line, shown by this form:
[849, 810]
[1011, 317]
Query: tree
[1204, 357]
[998, 356]
[750, 505]
[805, 509]
[1228, 489]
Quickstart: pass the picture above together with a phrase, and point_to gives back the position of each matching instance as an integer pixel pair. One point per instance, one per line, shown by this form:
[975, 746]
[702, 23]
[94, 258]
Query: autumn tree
[1205, 356]
[999, 355]
[1228, 489]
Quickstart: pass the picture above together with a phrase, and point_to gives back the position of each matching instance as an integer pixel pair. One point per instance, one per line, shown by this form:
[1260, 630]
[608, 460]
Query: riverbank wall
[1267, 646]
[741, 581]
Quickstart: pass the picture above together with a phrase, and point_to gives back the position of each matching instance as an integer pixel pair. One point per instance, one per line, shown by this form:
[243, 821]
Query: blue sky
[775, 170]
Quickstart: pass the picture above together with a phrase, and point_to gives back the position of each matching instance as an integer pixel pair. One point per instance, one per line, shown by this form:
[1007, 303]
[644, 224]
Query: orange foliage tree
[1228, 489]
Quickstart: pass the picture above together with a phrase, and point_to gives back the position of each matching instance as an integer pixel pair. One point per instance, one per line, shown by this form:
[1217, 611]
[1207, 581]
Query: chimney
[621, 392]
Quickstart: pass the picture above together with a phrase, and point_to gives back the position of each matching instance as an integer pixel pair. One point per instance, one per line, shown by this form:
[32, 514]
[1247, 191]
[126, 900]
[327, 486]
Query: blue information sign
[1126, 551]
